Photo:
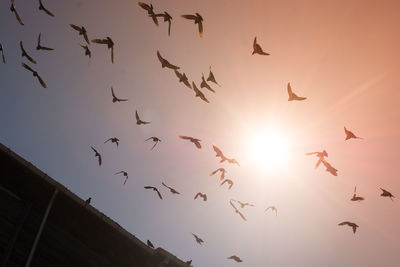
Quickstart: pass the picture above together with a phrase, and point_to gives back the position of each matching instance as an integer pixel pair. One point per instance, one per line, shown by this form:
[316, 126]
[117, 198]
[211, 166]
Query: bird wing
[198, 194]
[185, 137]
[2, 56]
[344, 223]
[149, 187]
[171, 66]
[48, 12]
[99, 160]
[197, 143]
[41, 81]
[289, 89]
[241, 215]
[255, 43]
[154, 145]
[144, 6]
[311, 153]
[226, 180]
[218, 151]
[169, 27]
[17, 16]
[214, 172]
[27, 67]
[137, 116]
[30, 58]
[77, 28]
[160, 58]
[158, 193]
[112, 54]
[201, 29]
[38, 41]
[192, 17]
[178, 74]
[118, 172]
[318, 163]
[100, 41]
[355, 189]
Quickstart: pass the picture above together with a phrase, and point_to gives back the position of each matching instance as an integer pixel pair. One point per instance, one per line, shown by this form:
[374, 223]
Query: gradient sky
[343, 55]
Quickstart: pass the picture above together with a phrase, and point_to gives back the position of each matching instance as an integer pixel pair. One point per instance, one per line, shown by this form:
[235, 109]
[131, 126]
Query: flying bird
[222, 156]
[329, 168]
[39, 47]
[350, 134]
[229, 181]
[386, 193]
[97, 154]
[193, 140]
[87, 51]
[35, 74]
[139, 121]
[198, 239]
[2, 53]
[242, 205]
[167, 17]
[238, 211]
[165, 63]
[235, 258]
[257, 48]
[204, 84]
[82, 31]
[197, 20]
[123, 173]
[110, 45]
[293, 96]
[116, 99]
[41, 7]
[321, 156]
[12, 8]
[204, 196]
[173, 191]
[154, 189]
[150, 244]
[352, 225]
[222, 170]
[25, 54]
[155, 140]
[211, 78]
[183, 79]
[113, 140]
[150, 11]
[199, 93]
[355, 197]
[273, 208]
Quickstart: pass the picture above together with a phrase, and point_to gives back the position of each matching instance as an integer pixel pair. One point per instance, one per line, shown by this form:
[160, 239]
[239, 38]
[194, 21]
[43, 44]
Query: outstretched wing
[76, 28]
[218, 151]
[27, 67]
[100, 41]
[41, 81]
[192, 17]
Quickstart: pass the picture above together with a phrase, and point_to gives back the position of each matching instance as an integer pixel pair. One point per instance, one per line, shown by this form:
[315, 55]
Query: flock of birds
[197, 19]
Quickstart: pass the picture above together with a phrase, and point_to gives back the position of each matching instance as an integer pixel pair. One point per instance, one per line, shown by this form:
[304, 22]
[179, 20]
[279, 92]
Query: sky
[342, 55]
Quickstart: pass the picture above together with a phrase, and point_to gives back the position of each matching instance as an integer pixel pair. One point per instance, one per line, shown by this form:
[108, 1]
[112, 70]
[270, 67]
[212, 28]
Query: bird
[197, 20]
[2, 53]
[320, 155]
[97, 154]
[386, 193]
[222, 170]
[155, 140]
[87, 201]
[41, 7]
[356, 198]
[293, 96]
[139, 121]
[257, 48]
[229, 181]
[235, 258]
[329, 168]
[116, 99]
[123, 173]
[12, 8]
[273, 208]
[113, 140]
[25, 54]
[154, 189]
[183, 79]
[204, 84]
[204, 196]
[211, 78]
[167, 17]
[244, 204]
[39, 47]
[110, 45]
[150, 12]
[237, 211]
[173, 191]
[193, 140]
[222, 156]
[87, 51]
[352, 225]
[199, 93]
[198, 239]
[82, 31]
[150, 244]
[350, 134]
[35, 74]
[165, 63]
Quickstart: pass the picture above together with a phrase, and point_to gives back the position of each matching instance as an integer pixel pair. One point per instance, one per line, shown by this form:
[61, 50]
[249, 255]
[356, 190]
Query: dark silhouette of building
[43, 224]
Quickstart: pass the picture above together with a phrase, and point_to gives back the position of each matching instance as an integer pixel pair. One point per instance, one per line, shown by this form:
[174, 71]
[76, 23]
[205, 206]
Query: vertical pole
[28, 262]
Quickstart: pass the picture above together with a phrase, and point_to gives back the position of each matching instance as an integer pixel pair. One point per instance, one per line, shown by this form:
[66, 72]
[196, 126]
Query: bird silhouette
[173, 191]
[139, 121]
[113, 140]
[293, 96]
[350, 134]
[12, 8]
[167, 17]
[155, 140]
[97, 154]
[199, 93]
[110, 45]
[87, 51]
[352, 225]
[87, 201]
[41, 7]
[150, 11]
[211, 78]
[154, 189]
[116, 99]
[243, 204]
[273, 208]
[123, 173]
[199, 194]
[150, 244]
[229, 181]
[165, 63]
[235, 258]
[25, 54]
[193, 140]
[204, 84]
[238, 211]
[222, 156]
[257, 48]
[35, 74]
[386, 193]
[329, 168]
[198, 239]
[39, 47]
[82, 31]
[2, 53]
[222, 170]
[355, 197]
[320, 155]
[197, 20]
[183, 79]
